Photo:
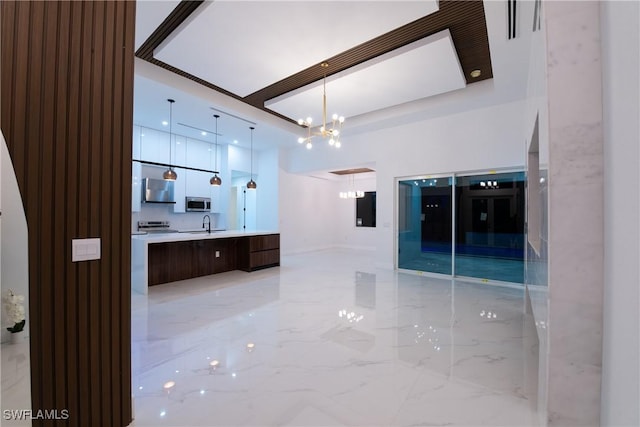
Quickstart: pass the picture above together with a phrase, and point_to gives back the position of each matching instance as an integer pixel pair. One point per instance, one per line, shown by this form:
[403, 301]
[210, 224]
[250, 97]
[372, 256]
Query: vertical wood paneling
[82, 199]
[61, 104]
[125, 124]
[77, 399]
[92, 202]
[113, 338]
[51, 271]
[106, 191]
[66, 113]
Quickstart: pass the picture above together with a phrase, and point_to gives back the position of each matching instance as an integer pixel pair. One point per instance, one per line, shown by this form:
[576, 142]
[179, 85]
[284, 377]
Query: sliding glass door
[425, 225]
[486, 216]
[490, 226]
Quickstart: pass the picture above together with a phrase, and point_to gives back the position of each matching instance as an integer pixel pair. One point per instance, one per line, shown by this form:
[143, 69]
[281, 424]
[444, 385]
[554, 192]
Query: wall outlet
[217, 254]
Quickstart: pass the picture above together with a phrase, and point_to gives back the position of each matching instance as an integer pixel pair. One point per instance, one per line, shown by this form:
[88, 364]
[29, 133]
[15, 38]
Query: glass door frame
[396, 220]
[453, 176]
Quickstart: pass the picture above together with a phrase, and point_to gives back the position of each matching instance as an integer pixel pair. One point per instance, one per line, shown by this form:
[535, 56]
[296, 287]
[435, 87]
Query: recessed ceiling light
[475, 73]
[235, 141]
[165, 123]
[203, 133]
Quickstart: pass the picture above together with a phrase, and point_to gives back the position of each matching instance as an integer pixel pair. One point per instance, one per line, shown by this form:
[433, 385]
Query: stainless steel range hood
[157, 191]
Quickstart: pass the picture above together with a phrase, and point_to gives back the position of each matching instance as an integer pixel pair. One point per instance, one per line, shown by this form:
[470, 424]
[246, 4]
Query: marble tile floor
[486, 268]
[327, 339]
[16, 389]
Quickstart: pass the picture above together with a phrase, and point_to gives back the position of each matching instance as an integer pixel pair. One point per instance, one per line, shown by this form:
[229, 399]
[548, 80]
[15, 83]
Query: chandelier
[333, 132]
[352, 193]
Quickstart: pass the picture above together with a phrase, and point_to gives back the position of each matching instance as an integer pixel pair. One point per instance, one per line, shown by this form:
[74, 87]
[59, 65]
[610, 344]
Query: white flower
[13, 306]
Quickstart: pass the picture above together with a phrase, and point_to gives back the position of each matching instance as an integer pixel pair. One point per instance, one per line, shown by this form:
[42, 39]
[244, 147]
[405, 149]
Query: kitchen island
[168, 257]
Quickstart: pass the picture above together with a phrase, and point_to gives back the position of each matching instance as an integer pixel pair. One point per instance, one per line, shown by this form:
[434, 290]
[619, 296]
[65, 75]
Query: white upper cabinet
[180, 186]
[179, 150]
[199, 156]
[198, 184]
[154, 146]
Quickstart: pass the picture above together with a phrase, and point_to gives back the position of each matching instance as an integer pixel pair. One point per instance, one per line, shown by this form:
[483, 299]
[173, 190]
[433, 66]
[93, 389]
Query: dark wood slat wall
[67, 114]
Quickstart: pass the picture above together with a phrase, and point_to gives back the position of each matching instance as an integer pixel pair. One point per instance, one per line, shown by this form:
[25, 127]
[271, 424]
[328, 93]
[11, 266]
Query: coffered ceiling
[267, 55]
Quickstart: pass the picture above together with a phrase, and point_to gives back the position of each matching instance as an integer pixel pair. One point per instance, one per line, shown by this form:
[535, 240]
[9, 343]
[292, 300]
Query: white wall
[307, 213]
[245, 210]
[14, 265]
[486, 138]
[268, 190]
[239, 159]
[347, 234]
[536, 265]
[313, 216]
[620, 21]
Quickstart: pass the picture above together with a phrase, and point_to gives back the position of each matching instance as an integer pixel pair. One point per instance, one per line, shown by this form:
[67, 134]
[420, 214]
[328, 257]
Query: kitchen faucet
[208, 223]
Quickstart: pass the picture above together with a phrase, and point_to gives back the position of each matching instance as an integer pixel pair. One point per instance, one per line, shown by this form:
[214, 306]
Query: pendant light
[170, 174]
[251, 185]
[215, 179]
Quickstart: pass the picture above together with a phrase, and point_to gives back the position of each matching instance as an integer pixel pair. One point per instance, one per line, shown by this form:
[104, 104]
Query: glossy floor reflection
[16, 388]
[329, 340]
[486, 268]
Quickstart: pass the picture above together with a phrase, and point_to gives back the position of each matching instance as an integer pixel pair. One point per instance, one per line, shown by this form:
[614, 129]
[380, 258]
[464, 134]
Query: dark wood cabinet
[169, 262]
[173, 261]
[256, 252]
[223, 253]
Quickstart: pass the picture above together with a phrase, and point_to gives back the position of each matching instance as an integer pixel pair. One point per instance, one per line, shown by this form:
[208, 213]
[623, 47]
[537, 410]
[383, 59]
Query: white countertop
[197, 235]
[140, 249]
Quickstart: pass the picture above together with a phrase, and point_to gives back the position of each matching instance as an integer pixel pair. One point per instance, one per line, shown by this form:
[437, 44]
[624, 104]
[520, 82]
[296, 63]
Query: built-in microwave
[197, 204]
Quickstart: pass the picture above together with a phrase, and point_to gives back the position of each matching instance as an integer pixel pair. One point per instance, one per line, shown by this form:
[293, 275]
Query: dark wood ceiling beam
[177, 16]
[464, 19]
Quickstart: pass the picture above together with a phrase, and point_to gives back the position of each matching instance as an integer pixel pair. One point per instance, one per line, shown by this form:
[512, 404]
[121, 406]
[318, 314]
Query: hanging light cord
[216, 155]
[171, 101]
[252, 128]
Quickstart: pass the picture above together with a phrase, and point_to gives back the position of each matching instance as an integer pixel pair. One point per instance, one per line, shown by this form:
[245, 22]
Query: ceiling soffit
[352, 171]
[465, 21]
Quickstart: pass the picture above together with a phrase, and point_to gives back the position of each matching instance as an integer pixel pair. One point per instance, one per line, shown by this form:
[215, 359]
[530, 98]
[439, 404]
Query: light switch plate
[85, 249]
